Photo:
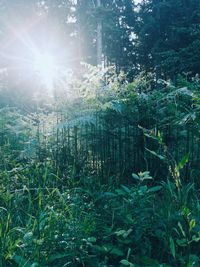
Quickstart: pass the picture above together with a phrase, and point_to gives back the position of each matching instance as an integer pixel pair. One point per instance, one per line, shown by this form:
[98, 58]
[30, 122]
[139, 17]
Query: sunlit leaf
[183, 161]
[192, 224]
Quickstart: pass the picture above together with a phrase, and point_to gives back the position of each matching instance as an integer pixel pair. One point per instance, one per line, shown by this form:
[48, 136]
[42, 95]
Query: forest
[99, 133]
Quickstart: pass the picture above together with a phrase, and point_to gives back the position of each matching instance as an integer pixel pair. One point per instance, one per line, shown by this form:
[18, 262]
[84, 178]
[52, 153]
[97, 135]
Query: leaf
[192, 224]
[92, 239]
[144, 176]
[21, 261]
[181, 228]
[116, 106]
[195, 239]
[183, 161]
[135, 176]
[120, 192]
[159, 138]
[155, 154]
[120, 232]
[151, 136]
[35, 264]
[28, 236]
[123, 233]
[127, 233]
[128, 253]
[146, 261]
[155, 189]
[186, 212]
[172, 247]
[142, 189]
[181, 242]
[100, 249]
[57, 256]
[127, 263]
[193, 260]
[117, 252]
[126, 189]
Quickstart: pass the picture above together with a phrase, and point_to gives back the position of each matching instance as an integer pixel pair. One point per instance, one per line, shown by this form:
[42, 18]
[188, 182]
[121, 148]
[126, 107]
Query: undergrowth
[106, 179]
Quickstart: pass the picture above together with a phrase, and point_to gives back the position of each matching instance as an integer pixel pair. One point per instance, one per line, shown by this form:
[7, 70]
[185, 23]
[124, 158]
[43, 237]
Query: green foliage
[106, 172]
[167, 37]
[107, 178]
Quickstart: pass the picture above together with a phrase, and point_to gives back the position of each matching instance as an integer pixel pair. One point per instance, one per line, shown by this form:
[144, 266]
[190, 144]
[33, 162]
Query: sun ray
[44, 64]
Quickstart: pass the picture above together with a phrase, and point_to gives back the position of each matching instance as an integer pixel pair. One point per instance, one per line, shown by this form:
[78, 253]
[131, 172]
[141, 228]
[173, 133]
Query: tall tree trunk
[79, 35]
[99, 37]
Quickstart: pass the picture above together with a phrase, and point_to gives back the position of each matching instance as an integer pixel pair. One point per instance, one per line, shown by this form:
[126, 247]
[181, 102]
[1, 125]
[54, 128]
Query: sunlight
[44, 65]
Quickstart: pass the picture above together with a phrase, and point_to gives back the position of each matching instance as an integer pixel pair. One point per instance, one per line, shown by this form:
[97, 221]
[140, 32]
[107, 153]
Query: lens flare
[45, 66]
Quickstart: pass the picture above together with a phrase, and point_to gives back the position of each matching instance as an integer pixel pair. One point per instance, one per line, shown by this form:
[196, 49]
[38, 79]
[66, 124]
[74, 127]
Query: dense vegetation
[103, 172]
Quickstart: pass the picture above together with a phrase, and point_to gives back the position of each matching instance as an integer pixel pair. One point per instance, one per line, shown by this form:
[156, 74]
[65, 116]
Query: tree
[99, 37]
[168, 36]
[118, 23]
[106, 27]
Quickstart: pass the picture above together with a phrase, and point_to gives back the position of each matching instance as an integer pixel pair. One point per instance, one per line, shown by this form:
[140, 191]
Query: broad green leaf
[172, 247]
[155, 189]
[127, 263]
[195, 239]
[192, 224]
[120, 192]
[181, 242]
[35, 264]
[92, 239]
[126, 189]
[135, 176]
[117, 252]
[143, 189]
[183, 161]
[186, 212]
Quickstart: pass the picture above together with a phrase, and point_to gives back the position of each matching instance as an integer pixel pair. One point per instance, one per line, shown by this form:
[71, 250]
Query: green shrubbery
[139, 224]
[106, 178]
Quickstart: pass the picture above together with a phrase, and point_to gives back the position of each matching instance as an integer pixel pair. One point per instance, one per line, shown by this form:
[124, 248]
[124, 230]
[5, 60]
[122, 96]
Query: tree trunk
[99, 38]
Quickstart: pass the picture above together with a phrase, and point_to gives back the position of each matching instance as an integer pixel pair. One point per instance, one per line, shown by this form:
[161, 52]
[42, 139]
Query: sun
[44, 65]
